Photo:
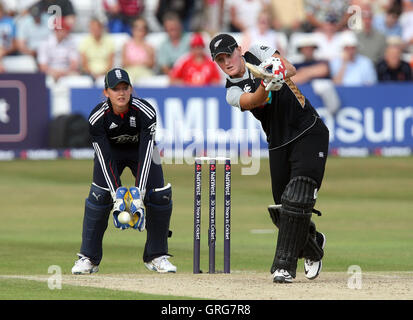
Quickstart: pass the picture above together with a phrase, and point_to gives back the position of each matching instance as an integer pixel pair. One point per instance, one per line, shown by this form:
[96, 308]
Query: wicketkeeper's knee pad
[297, 202]
[99, 196]
[158, 204]
[95, 221]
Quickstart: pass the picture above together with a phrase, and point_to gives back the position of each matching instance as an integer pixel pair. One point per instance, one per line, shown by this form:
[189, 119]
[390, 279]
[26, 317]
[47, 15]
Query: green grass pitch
[367, 207]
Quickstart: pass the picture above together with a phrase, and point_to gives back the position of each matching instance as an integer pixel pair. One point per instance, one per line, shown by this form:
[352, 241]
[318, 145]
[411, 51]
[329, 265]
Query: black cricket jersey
[287, 114]
[130, 135]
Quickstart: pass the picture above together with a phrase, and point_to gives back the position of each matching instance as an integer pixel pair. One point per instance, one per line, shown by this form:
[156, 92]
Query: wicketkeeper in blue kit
[123, 135]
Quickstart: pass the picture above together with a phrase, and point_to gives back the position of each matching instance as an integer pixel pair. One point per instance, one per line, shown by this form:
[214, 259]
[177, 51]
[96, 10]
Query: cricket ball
[124, 217]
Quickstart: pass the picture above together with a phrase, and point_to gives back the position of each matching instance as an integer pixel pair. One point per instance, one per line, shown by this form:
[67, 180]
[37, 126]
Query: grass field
[367, 207]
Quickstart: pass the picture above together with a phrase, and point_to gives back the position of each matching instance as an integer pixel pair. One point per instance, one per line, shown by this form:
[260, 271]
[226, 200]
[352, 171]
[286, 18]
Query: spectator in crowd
[407, 5]
[372, 43]
[329, 38]
[32, 29]
[352, 68]
[183, 8]
[318, 12]
[97, 51]
[261, 34]
[392, 67]
[406, 22]
[16, 8]
[138, 56]
[55, 8]
[176, 44]
[8, 45]
[122, 13]
[213, 18]
[58, 55]
[388, 23]
[8, 7]
[397, 5]
[288, 15]
[312, 70]
[244, 13]
[309, 67]
[195, 68]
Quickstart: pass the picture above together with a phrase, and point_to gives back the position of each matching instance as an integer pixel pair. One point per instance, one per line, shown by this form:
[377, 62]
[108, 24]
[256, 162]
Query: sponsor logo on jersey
[113, 126]
[125, 138]
[132, 122]
[247, 88]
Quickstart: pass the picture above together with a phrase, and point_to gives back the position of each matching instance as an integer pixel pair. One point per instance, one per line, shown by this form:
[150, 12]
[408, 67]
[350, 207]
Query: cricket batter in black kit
[123, 135]
[297, 143]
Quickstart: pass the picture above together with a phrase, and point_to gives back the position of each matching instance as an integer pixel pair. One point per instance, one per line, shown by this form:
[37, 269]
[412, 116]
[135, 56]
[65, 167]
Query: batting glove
[274, 84]
[272, 66]
[119, 206]
[275, 73]
[137, 210]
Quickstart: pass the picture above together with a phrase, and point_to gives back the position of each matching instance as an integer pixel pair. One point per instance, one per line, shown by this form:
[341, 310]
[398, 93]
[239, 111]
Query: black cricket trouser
[305, 156]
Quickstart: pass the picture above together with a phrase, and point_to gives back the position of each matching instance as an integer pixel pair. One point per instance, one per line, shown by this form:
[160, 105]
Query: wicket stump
[212, 213]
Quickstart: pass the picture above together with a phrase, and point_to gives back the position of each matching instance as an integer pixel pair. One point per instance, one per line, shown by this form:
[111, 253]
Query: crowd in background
[351, 42]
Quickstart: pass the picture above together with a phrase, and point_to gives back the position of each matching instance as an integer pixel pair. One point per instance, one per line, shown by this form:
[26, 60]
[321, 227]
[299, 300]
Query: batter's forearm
[252, 100]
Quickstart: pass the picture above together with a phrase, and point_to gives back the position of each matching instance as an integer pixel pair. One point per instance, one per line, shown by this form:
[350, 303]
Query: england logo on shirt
[132, 122]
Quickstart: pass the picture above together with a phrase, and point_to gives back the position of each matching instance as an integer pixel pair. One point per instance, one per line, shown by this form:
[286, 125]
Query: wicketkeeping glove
[119, 206]
[137, 210]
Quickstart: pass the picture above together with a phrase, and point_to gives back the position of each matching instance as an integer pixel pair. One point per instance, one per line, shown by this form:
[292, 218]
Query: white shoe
[84, 266]
[313, 268]
[282, 276]
[161, 265]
